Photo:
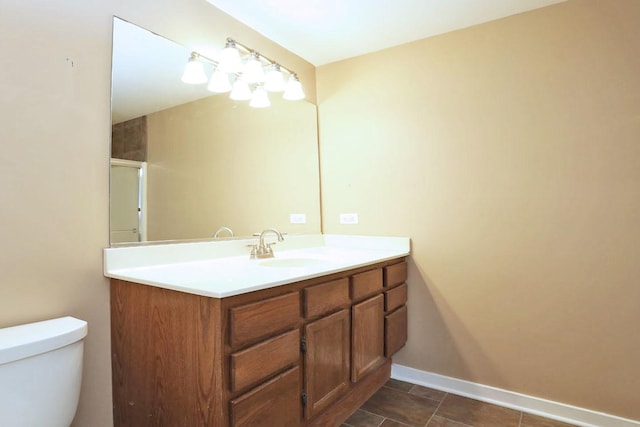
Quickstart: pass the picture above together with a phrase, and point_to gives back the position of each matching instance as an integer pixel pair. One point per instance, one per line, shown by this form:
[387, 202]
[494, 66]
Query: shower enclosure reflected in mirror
[201, 160]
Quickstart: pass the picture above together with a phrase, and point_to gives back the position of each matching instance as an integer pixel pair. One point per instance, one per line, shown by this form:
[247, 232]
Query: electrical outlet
[349, 218]
[298, 218]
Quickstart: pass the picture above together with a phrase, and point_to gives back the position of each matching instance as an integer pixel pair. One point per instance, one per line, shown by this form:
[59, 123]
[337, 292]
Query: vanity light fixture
[245, 77]
[293, 89]
[219, 82]
[241, 90]
[259, 98]
[274, 80]
[194, 71]
[230, 61]
[253, 71]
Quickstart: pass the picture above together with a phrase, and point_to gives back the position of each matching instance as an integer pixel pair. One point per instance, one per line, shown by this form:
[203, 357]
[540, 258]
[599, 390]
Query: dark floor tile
[427, 392]
[391, 423]
[476, 413]
[402, 407]
[437, 421]
[362, 418]
[529, 420]
[399, 385]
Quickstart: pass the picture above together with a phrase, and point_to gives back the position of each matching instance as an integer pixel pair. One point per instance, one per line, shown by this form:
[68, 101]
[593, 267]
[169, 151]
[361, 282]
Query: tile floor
[400, 404]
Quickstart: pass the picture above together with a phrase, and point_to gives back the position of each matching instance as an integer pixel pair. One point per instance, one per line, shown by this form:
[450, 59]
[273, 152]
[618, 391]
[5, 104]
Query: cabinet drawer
[321, 299]
[395, 274]
[251, 322]
[265, 359]
[366, 284]
[274, 403]
[395, 331]
[394, 298]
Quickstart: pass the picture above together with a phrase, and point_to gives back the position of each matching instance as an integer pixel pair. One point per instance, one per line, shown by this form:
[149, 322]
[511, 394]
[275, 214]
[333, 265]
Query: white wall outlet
[298, 218]
[349, 218]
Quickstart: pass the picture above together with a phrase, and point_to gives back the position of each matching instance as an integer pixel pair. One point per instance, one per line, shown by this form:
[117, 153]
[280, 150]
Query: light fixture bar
[201, 57]
[265, 58]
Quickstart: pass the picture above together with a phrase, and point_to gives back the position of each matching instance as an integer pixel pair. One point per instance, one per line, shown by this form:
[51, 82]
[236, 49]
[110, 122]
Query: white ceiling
[324, 31]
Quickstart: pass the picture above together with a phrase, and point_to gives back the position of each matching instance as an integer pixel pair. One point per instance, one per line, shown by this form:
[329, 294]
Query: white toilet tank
[41, 372]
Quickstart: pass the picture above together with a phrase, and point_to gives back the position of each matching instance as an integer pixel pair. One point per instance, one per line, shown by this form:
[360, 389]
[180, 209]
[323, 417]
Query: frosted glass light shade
[274, 80]
[293, 90]
[252, 71]
[240, 91]
[230, 59]
[259, 98]
[194, 72]
[219, 82]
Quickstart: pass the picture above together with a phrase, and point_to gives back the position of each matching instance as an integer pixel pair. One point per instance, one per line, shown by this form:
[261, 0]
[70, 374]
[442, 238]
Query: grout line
[395, 421]
[371, 413]
[434, 412]
[520, 421]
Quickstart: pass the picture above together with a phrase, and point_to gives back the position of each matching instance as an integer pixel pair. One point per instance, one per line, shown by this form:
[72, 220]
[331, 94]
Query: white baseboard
[533, 405]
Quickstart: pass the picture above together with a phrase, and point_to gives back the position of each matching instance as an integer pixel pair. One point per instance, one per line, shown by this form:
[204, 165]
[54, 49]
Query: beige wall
[510, 154]
[216, 162]
[54, 162]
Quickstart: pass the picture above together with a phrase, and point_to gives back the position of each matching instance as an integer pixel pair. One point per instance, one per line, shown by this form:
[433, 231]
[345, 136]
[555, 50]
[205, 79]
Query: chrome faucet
[262, 249]
[221, 229]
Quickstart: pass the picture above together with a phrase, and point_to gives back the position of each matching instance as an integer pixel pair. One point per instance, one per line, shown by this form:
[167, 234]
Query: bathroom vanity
[302, 339]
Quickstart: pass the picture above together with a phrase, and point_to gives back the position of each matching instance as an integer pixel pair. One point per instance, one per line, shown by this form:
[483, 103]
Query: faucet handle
[254, 251]
[267, 251]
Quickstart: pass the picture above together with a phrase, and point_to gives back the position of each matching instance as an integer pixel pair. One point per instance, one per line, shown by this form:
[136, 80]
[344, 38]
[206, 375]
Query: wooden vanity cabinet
[306, 354]
[395, 309]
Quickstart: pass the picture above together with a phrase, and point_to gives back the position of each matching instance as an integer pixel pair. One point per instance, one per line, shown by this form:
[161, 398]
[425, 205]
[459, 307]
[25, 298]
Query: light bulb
[219, 82]
[230, 58]
[252, 71]
[259, 98]
[274, 81]
[240, 91]
[293, 90]
[194, 71]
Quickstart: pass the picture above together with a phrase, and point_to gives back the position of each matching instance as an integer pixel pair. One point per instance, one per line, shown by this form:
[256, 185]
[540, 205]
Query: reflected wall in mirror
[209, 161]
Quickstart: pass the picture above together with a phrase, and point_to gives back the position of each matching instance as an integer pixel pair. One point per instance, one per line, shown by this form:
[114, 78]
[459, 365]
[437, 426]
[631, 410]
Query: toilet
[41, 372]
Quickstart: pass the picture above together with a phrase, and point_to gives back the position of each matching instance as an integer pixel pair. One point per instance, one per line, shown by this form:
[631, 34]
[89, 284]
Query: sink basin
[290, 262]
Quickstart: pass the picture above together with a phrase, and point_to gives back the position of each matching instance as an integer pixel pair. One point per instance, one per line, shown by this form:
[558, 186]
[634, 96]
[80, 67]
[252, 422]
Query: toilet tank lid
[22, 341]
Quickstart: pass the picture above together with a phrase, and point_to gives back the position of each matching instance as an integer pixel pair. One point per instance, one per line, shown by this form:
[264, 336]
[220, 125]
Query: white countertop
[221, 269]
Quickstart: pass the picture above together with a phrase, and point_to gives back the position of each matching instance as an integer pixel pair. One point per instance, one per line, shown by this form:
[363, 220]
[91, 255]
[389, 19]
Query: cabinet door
[274, 403]
[367, 336]
[326, 361]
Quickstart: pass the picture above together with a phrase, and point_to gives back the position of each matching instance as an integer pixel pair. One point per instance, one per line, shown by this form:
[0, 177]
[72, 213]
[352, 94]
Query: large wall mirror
[186, 162]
